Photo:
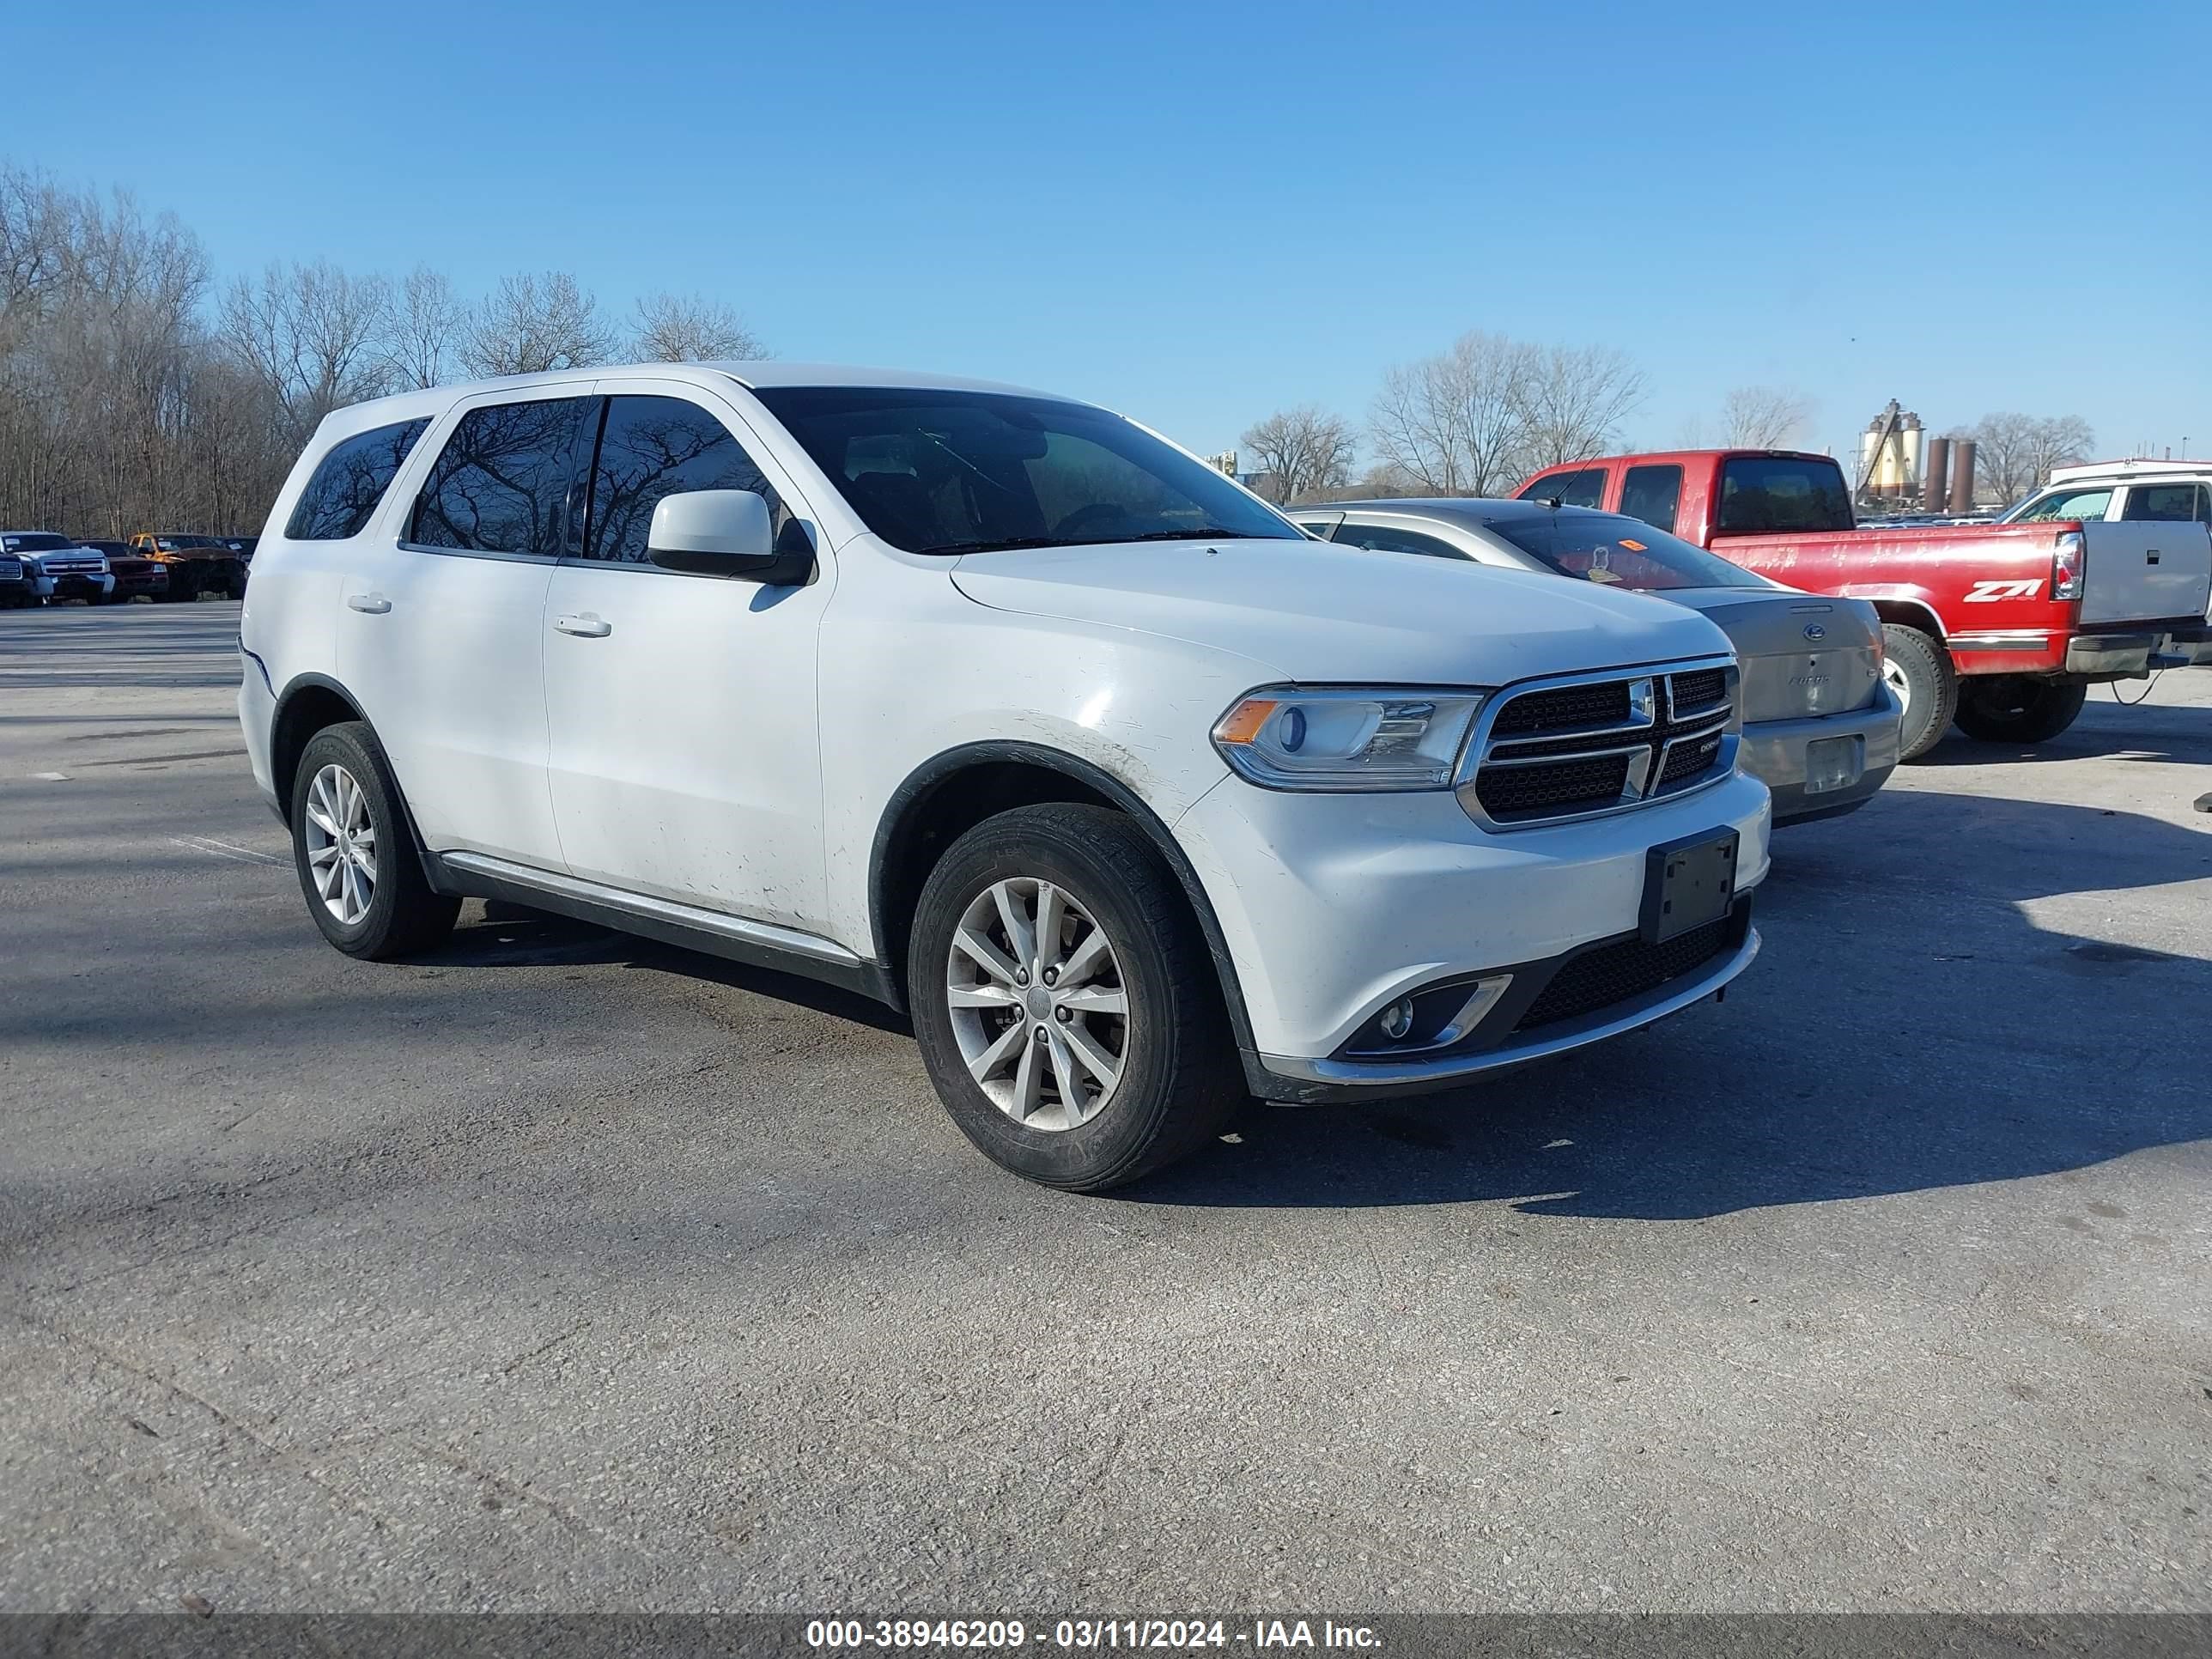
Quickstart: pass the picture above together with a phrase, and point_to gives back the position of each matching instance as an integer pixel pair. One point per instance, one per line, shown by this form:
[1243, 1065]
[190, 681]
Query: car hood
[1318, 613]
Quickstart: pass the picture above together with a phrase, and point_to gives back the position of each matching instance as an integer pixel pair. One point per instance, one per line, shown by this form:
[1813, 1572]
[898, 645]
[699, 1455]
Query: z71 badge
[1989, 592]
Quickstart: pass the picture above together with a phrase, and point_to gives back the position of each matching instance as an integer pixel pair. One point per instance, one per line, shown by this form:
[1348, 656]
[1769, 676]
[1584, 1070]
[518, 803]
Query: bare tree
[310, 333]
[673, 328]
[1456, 423]
[1304, 450]
[2056, 441]
[1763, 416]
[1573, 400]
[2004, 450]
[422, 329]
[532, 324]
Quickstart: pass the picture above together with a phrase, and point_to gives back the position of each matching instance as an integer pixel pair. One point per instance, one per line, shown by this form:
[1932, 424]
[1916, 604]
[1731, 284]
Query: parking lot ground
[564, 1271]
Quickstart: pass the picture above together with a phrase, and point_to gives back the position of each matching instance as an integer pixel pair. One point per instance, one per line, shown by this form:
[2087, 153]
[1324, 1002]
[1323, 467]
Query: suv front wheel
[1066, 1004]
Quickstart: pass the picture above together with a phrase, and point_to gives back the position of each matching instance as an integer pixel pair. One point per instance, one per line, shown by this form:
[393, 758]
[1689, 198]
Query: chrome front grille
[1599, 743]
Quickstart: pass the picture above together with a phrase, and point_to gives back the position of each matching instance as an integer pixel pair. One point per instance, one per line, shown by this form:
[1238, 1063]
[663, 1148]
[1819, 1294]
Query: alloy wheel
[341, 844]
[1038, 1003]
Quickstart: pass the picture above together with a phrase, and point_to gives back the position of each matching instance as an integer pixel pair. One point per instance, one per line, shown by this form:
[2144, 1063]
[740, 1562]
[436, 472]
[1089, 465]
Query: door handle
[2152, 556]
[371, 605]
[583, 627]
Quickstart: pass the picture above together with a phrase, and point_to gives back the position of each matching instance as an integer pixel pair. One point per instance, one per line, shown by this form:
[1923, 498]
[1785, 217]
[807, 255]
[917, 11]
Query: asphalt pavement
[564, 1271]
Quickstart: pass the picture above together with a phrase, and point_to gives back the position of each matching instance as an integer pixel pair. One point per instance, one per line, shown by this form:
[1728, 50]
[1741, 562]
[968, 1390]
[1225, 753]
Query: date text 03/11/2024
[1166, 1635]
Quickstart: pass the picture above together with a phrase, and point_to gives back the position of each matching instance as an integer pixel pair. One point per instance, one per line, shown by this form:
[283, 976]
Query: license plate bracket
[1688, 883]
[1832, 763]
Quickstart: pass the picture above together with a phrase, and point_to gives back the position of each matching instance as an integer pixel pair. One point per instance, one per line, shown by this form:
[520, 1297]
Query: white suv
[999, 707]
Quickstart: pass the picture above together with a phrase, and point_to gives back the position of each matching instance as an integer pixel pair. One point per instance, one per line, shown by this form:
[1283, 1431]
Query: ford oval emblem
[1815, 631]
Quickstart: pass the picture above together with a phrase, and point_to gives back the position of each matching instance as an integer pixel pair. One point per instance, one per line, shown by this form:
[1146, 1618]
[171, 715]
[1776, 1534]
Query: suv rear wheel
[2018, 707]
[1066, 1004]
[355, 855]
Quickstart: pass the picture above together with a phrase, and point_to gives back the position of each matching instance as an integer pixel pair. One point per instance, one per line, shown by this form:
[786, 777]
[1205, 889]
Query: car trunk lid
[1802, 657]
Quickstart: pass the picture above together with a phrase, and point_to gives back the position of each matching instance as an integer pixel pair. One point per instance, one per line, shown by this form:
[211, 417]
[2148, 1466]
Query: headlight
[1284, 737]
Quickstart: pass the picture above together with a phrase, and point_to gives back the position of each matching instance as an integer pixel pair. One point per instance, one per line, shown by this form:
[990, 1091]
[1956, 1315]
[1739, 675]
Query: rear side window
[341, 497]
[1387, 538]
[504, 481]
[1583, 488]
[2175, 503]
[1760, 493]
[655, 446]
[1652, 494]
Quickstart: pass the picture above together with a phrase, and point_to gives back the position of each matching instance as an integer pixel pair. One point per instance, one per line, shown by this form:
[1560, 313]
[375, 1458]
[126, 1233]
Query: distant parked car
[197, 564]
[19, 581]
[137, 576]
[59, 568]
[1819, 725]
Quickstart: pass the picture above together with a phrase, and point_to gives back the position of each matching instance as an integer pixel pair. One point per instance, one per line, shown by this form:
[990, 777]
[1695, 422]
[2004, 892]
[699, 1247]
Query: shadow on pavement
[1902, 1031]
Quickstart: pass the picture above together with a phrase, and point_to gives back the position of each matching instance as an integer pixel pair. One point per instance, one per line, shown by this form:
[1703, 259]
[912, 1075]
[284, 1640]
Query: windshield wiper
[1212, 532]
[1003, 546]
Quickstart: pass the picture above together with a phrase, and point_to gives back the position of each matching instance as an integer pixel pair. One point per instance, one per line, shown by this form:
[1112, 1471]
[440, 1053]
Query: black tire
[403, 917]
[2018, 707]
[1178, 1082]
[1930, 691]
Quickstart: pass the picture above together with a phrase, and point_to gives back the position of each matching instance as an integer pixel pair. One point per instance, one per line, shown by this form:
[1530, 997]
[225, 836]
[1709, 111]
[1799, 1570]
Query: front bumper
[75, 587]
[1774, 752]
[1334, 907]
[155, 584]
[1312, 1082]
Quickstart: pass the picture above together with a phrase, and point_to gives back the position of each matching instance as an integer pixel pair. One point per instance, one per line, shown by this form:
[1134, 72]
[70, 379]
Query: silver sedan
[1819, 725]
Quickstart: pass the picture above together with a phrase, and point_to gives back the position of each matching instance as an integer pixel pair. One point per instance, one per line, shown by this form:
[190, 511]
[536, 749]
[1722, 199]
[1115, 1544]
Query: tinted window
[502, 484]
[1387, 539]
[1609, 548]
[347, 482]
[2176, 502]
[37, 542]
[938, 472]
[654, 446]
[1760, 493]
[1583, 488]
[2090, 504]
[1652, 494]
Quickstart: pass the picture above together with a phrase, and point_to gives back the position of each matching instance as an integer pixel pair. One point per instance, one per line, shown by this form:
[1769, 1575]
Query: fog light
[1398, 1019]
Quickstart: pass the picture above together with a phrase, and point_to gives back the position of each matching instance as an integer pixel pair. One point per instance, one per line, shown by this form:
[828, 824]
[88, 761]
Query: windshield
[950, 472]
[2067, 503]
[171, 543]
[37, 542]
[1609, 548]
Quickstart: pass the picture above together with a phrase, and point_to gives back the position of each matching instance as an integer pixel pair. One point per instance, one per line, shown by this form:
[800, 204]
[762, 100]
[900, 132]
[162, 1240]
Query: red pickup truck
[2000, 627]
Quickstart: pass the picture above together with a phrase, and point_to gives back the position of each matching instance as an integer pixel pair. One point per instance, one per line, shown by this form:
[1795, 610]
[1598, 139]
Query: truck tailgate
[2145, 570]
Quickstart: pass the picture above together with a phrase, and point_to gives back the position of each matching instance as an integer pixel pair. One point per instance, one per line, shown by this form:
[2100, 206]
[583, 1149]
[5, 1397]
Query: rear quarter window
[342, 494]
[1762, 493]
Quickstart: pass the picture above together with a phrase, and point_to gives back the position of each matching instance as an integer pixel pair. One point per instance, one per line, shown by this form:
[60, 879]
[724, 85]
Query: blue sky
[1198, 214]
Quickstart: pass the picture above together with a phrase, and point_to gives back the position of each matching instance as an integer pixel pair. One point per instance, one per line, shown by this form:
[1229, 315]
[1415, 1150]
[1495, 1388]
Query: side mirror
[728, 532]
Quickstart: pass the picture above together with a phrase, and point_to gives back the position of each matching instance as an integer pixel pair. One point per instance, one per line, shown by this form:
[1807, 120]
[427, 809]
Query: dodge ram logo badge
[1815, 631]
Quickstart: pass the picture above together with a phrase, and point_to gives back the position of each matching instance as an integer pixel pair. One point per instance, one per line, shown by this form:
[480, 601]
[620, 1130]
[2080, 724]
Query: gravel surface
[563, 1271]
